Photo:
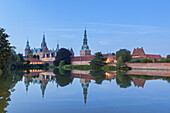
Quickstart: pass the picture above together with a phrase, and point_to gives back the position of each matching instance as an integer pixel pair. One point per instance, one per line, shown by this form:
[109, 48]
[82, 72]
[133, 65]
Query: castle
[44, 53]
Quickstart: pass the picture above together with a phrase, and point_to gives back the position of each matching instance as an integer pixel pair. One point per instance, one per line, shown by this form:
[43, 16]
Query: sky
[111, 24]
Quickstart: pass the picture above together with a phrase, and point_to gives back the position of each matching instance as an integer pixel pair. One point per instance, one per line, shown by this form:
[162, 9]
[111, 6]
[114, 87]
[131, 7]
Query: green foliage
[63, 54]
[52, 67]
[77, 67]
[155, 60]
[135, 61]
[125, 54]
[98, 75]
[113, 54]
[21, 59]
[122, 80]
[61, 64]
[8, 81]
[5, 49]
[168, 60]
[98, 61]
[63, 77]
[163, 60]
[120, 62]
[27, 56]
[168, 56]
[34, 56]
[27, 62]
[0, 72]
[38, 57]
[109, 68]
[145, 60]
[46, 64]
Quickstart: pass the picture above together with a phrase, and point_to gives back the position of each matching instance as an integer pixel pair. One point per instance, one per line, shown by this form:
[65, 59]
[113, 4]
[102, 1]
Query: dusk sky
[111, 24]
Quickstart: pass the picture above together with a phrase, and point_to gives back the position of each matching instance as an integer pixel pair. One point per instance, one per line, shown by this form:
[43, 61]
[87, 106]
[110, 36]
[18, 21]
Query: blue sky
[111, 24]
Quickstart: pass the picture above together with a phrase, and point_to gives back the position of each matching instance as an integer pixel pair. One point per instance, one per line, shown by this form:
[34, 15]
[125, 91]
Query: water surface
[58, 91]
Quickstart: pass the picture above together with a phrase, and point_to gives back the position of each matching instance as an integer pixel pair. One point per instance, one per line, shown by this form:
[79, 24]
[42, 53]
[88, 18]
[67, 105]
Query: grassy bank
[88, 67]
[77, 67]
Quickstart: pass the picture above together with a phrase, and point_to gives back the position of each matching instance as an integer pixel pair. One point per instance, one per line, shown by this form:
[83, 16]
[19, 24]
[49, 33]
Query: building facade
[139, 53]
[44, 53]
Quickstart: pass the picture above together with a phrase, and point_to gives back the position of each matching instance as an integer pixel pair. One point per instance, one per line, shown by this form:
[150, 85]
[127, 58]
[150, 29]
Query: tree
[27, 62]
[120, 62]
[125, 54]
[34, 56]
[155, 60]
[98, 61]
[168, 56]
[63, 54]
[61, 64]
[5, 49]
[63, 78]
[122, 80]
[38, 57]
[98, 75]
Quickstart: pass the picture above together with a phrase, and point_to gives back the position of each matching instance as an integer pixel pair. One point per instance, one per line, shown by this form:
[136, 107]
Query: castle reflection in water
[43, 78]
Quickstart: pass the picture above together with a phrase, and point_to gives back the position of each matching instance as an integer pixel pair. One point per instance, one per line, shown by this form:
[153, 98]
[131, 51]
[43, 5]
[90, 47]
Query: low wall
[149, 65]
[165, 73]
[88, 63]
[80, 63]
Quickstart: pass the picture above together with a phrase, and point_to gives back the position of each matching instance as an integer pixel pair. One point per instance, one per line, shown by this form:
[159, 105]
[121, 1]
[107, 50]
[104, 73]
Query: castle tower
[85, 84]
[57, 47]
[27, 49]
[43, 44]
[85, 48]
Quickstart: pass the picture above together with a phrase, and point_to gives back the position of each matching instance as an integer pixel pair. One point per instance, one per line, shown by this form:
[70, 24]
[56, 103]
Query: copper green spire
[85, 46]
[43, 44]
[27, 45]
[85, 86]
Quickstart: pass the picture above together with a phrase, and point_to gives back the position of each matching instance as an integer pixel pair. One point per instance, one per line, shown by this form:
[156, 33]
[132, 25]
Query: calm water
[61, 91]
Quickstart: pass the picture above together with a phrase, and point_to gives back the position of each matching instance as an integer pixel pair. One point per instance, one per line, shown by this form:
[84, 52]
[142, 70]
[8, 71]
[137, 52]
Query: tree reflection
[122, 80]
[7, 82]
[99, 76]
[63, 77]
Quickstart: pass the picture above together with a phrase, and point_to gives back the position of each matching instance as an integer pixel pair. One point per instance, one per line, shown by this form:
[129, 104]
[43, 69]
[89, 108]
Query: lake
[59, 91]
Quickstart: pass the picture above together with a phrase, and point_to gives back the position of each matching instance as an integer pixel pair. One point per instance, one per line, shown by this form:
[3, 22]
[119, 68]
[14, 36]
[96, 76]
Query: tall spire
[43, 44]
[85, 86]
[27, 45]
[58, 46]
[85, 46]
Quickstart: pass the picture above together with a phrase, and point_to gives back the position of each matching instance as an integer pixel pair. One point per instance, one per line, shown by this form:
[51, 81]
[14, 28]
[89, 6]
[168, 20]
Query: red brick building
[139, 53]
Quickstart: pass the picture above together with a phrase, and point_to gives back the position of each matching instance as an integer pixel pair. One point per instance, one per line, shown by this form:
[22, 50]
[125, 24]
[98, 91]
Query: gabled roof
[138, 52]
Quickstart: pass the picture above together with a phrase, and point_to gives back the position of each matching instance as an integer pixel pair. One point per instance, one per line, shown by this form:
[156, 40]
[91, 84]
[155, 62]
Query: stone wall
[149, 65]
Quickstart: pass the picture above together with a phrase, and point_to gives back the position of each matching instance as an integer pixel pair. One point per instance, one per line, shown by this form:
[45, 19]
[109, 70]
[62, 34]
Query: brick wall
[149, 65]
[80, 63]
[150, 72]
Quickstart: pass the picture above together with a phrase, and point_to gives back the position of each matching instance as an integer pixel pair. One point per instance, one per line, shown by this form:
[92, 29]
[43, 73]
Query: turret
[85, 48]
[43, 44]
[27, 48]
